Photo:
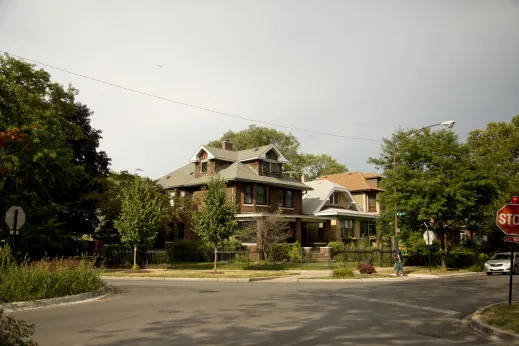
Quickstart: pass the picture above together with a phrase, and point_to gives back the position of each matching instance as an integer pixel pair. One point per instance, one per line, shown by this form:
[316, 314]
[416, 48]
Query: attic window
[270, 167]
[204, 167]
[334, 198]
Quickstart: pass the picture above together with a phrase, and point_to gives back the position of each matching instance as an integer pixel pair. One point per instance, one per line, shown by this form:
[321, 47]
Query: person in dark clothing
[399, 262]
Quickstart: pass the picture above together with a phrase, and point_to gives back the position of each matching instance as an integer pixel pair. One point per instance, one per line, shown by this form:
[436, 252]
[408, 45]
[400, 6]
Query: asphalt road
[425, 312]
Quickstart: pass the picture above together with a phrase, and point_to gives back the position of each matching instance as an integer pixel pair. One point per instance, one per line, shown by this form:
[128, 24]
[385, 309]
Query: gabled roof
[313, 201]
[353, 181]
[242, 155]
[185, 177]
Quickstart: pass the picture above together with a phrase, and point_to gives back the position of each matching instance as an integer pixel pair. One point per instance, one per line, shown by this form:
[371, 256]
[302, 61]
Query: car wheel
[489, 273]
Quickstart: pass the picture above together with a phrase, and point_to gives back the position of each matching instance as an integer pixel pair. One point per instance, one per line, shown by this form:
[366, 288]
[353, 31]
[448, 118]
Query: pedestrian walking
[399, 262]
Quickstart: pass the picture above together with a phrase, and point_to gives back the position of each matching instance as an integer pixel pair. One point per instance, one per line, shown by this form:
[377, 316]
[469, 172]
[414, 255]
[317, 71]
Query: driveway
[422, 312]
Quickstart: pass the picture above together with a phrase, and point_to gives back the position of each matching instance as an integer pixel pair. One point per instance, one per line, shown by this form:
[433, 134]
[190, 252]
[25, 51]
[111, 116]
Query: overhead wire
[187, 104]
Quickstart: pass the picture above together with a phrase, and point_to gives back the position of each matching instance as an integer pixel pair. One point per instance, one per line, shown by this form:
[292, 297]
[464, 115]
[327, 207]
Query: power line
[189, 105]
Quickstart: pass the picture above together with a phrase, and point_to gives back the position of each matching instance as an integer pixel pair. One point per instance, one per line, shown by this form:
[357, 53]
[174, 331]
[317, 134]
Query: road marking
[392, 302]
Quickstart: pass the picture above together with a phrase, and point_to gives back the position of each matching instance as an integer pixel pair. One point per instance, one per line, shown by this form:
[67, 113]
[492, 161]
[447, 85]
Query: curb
[475, 322]
[164, 278]
[43, 303]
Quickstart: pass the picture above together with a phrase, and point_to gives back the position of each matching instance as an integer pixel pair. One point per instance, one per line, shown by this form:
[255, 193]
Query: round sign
[429, 237]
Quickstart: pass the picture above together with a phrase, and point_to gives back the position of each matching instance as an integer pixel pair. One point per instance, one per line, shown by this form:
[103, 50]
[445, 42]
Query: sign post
[428, 236]
[14, 218]
[508, 221]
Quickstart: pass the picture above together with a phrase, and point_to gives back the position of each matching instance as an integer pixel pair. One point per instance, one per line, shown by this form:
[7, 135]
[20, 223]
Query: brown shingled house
[254, 180]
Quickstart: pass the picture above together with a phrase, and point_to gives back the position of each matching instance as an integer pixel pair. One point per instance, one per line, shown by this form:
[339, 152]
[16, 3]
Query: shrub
[336, 248]
[14, 332]
[135, 267]
[366, 269]
[295, 252]
[460, 260]
[230, 245]
[340, 273]
[45, 278]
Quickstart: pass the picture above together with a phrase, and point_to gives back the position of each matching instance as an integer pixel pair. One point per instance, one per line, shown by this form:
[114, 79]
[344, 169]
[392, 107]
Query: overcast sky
[354, 68]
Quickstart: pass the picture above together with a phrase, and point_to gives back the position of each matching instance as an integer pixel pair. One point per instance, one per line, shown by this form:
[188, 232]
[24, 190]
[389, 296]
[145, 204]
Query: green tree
[54, 169]
[256, 136]
[216, 221]
[437, 178]
[141, 215]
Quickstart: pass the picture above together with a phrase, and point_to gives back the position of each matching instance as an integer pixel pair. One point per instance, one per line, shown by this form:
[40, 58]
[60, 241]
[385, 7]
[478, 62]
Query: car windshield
[501, 256]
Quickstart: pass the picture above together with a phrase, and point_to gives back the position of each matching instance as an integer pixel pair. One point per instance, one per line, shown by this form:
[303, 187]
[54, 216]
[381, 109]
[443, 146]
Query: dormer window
[270, 167]
[334, 198]
[204, 167]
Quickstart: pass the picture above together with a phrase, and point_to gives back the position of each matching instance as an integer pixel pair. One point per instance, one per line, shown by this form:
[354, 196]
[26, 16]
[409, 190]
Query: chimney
[303, 180]
[227, 145]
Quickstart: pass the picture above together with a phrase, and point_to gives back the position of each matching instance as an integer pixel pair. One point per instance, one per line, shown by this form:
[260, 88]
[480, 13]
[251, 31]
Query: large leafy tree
[256, 136]
[141, 215]
[437, 178]
[55, 165]
[216, 221]
[497, 150]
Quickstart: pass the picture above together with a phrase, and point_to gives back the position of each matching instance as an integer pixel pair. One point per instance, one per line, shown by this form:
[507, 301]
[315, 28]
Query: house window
[180, 231]
[289, 201]
[364, 229]
[372, 203]
[204, 167]
[320, 231]
[270, 167]
[261, 194]
[347, 228]
[281, 198]
[248, 194]
[171, 197]
[334, 198]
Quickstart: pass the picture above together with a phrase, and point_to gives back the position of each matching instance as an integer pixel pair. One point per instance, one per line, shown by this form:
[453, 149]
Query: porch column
[327, 230]
[298, 230]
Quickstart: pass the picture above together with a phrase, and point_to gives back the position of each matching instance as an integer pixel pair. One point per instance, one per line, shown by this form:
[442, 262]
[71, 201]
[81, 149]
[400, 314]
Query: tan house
[363, 186]
[254, 181]
[337, 204]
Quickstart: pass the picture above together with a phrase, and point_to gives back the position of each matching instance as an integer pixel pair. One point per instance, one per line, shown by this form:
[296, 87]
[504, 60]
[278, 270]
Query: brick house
[254, 181]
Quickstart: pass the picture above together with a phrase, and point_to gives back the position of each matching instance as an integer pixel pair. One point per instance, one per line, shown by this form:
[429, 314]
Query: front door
[304, 233]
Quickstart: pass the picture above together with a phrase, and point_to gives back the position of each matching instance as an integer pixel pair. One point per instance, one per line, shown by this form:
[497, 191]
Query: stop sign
[508, 219]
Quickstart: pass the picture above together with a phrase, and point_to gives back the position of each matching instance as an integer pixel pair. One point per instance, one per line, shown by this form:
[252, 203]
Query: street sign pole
[428, 242]
[511, 274]
[15, 229]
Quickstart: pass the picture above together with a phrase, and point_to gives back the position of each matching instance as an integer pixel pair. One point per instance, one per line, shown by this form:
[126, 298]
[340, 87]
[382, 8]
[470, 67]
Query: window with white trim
[204, 167]
[335, 199]
[347, 229]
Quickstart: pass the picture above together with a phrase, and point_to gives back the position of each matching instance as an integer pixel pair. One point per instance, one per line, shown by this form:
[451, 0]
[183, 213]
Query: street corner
[477, 323]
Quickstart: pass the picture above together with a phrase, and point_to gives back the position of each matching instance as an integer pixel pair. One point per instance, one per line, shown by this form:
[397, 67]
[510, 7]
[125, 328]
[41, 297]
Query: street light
[449, 124]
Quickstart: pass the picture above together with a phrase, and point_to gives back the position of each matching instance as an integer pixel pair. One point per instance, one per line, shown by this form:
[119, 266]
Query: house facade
[335, 203]
[254, 181]
[364, 187]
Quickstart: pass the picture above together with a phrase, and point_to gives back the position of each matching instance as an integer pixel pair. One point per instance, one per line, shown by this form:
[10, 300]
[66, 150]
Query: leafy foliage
[56, 171]
[341, 273]
[437, 178]
[141, 214]
[45, 278]
[366, 268]
[14, 332]
[256, 136]
[216, 221]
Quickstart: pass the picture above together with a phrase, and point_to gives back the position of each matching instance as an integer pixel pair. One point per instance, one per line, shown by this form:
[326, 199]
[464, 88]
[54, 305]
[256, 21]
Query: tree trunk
[135, 256]
[215, 258]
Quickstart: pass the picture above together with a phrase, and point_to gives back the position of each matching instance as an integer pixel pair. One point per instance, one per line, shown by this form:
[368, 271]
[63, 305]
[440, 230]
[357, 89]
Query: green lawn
[186, 273]
[503, 316]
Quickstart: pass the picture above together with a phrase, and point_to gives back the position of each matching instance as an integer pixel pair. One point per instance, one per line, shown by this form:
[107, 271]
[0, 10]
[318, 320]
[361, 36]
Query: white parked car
[500, 263]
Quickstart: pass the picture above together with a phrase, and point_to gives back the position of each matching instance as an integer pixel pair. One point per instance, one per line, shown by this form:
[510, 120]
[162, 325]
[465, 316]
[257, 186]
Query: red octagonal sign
[508, 219]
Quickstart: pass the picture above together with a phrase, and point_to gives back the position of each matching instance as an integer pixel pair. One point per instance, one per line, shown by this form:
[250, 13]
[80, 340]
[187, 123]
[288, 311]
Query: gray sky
[355, 68]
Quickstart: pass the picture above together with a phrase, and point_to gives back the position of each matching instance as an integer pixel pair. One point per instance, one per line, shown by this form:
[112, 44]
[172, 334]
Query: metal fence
[347, 257]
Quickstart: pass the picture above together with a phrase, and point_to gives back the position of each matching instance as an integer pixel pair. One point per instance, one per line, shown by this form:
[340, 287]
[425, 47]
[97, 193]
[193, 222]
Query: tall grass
[45, 278]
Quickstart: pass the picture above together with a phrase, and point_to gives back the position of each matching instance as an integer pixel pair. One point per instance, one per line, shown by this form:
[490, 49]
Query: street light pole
[449, 124]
